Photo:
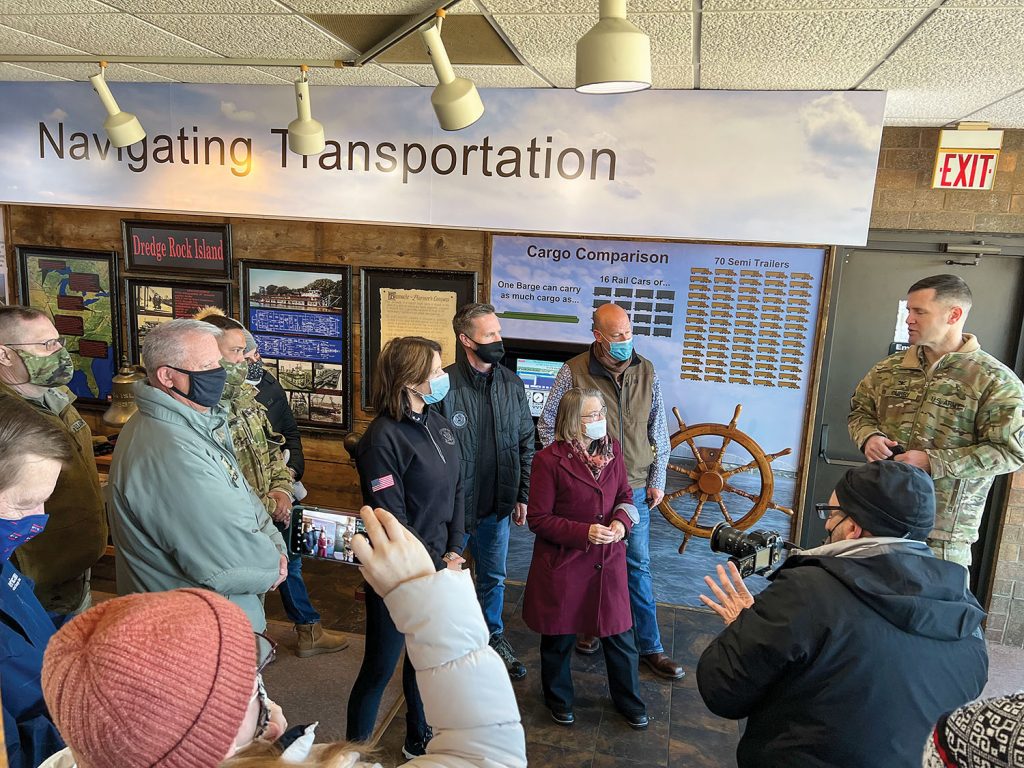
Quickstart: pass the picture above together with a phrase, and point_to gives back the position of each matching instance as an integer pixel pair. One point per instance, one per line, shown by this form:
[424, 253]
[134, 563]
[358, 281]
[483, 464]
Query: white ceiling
[940, 60]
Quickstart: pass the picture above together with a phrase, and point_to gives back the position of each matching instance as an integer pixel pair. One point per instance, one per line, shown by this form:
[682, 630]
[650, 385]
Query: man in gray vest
[636, 418]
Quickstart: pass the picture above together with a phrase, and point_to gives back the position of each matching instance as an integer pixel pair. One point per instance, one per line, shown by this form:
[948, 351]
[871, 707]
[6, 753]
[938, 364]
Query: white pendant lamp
[305, 135]
[614, 56]
[456, 100]
[123, 128]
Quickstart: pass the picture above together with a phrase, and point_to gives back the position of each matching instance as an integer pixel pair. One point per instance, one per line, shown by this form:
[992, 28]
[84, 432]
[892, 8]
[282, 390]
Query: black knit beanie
[889, 498]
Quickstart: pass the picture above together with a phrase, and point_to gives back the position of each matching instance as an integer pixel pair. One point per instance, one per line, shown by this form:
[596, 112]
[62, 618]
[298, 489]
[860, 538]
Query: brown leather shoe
[663, 666]
[587, 645]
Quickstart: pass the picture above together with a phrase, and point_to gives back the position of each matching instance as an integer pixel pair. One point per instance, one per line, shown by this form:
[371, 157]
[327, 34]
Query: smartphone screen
[325, 534]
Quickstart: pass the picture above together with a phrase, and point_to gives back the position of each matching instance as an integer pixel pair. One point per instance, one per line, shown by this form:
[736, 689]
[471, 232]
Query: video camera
[753, 553]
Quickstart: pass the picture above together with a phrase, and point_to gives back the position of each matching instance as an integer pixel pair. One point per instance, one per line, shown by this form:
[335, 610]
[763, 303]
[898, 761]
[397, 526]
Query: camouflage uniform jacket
[967, 414]
[257, 446]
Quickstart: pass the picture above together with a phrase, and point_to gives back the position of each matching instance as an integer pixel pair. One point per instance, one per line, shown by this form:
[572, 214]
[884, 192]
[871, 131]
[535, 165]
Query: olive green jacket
[967, 414]
[257, 446]
[76, 533]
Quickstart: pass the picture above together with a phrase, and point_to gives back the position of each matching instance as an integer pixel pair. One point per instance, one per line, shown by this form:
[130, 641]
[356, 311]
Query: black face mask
[828, 538]
[490, 353]
[205, 387]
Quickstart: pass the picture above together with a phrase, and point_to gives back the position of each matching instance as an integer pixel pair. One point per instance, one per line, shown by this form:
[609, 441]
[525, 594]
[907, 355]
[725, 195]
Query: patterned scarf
[597, 456]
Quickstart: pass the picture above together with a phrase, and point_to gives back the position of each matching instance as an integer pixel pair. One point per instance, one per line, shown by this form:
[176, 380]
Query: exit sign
[966, 159]
[965, 169]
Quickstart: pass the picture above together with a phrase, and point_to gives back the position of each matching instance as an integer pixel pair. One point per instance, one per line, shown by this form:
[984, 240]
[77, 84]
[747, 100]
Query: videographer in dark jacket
[851, 654]
[487, 404]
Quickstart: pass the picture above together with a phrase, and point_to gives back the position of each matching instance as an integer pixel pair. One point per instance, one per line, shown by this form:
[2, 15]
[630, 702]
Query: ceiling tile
[20, 7]
[801, 49]
[588, 7]
[370, 75]
[1007, 113]
[283, 36]
[214, 74]
[109, 34]
[984, 4]
[15, 72]
[968, 34]
[382, 7]
[116, 73]
[13, 41]
[198, 6]
[714, 6]
[482, 76]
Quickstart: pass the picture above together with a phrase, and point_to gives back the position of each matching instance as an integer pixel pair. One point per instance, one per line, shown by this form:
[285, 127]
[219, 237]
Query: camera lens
[725, 538]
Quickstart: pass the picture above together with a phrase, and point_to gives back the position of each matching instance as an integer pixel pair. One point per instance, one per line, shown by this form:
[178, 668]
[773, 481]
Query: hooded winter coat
[181, 513]
[848, 658]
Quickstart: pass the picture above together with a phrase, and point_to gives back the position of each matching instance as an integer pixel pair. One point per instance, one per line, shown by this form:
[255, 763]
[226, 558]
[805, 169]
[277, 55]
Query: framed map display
[300, 316]
[77, 289]
[410, 302]
[151, 302]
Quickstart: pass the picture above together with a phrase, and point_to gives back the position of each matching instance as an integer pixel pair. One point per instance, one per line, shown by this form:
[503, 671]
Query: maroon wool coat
[575, 586]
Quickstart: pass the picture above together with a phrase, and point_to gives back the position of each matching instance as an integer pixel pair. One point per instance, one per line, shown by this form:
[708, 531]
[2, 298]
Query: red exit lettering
[965, 170]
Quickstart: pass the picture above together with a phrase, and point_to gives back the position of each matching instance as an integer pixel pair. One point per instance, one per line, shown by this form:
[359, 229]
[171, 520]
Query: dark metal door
[867, 287]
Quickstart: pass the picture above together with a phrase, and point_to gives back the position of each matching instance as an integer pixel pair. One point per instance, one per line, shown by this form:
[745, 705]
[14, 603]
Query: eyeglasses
[825, 510]
[594, 416]
[263, 720]
[50, 345]
[265, 653]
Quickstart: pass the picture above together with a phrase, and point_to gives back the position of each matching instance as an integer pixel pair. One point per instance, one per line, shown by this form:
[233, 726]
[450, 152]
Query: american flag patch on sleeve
[378, 485]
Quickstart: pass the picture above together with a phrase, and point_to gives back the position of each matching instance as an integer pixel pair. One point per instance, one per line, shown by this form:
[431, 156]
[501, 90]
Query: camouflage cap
[889, 498]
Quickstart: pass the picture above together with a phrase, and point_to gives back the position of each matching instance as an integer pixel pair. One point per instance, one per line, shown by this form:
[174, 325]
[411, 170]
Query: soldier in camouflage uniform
[956, 411]
[258, 451]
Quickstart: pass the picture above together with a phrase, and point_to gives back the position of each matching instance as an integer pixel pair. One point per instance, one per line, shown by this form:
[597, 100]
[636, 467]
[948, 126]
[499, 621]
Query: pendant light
[305, 135]
[123, 128]
[614, 56]
[456, 100]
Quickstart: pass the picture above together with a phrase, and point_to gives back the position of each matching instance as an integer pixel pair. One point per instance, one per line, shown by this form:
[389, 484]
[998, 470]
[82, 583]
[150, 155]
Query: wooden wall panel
[330, 475]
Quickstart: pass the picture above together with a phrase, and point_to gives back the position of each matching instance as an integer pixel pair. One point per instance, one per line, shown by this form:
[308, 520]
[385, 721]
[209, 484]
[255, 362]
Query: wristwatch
[450, 556]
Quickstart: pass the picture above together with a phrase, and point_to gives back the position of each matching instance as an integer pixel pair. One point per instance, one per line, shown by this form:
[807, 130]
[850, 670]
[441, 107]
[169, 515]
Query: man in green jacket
[946, 407]
[181, 513]
[34, 367]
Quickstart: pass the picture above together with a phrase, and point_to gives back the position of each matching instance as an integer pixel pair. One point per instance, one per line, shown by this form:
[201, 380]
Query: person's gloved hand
[388, 552]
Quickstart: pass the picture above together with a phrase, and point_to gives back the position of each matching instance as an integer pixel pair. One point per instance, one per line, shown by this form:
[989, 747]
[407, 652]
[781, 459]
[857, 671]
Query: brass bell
[123, 399]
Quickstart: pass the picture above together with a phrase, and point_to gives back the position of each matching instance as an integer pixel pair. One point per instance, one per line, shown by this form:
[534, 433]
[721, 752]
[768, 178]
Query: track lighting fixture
[123, 128]
[305, 135]
[456, 100]
[614, 56]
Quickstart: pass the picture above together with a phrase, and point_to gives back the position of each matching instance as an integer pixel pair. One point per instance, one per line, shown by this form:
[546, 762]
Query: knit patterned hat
[160, 679]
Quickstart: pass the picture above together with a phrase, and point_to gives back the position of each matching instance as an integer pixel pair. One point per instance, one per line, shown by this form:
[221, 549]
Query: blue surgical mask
[596, 429]
[621, 350]
[438, 389]
[14, 533]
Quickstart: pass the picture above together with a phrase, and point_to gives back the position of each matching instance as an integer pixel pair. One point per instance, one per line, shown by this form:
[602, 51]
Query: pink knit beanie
[160, 679]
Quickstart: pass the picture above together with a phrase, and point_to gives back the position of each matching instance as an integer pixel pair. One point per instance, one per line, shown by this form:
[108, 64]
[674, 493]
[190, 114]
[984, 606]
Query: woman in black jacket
[408, 464]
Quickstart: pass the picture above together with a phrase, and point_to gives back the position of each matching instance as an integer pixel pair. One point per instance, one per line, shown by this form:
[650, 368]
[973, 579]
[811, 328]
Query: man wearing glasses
[636, 418]
[35, 367]
[857, 646]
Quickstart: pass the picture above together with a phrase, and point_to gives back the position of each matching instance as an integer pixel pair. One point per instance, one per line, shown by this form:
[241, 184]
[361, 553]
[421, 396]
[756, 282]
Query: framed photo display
[151, 302]
[78, 290]
[175, 249]
[300, 316]
[409, 302]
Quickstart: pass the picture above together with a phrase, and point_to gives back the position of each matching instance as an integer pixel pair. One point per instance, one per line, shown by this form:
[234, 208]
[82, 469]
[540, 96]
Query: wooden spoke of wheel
[740, 492]
[783, 510]
[725, 512]
[676, 494]
[696, 454]
[700, 506]
[769, 457]
[690, 473]
[728, 436]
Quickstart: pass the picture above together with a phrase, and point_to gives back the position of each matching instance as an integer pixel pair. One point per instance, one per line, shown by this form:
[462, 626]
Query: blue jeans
[638, 574]
[488, 545]
[293, 591]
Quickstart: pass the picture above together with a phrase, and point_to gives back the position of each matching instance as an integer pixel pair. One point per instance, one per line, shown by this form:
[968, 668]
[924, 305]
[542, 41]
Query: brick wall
[905, 200]
[1006, 609]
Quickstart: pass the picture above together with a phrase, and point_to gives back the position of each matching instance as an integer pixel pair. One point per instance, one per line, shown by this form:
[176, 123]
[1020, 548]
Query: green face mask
[53, 370]
[236, 376]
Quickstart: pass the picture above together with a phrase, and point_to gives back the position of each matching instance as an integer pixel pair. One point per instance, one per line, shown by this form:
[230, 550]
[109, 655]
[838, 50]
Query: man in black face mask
[488, 407]
[34, 368]
[181, 513]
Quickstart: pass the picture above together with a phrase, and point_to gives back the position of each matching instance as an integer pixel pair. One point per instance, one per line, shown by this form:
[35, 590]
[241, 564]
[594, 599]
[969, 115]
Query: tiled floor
[682, 732]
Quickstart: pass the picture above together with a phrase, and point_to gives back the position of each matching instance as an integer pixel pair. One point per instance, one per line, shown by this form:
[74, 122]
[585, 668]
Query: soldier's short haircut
[224, 323]
[11, 319]
[168, 343]
[463, 320]
[24, 432]
[949, 289]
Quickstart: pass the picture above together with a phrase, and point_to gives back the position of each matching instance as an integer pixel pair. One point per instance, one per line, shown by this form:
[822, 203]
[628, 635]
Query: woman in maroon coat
[581, 510]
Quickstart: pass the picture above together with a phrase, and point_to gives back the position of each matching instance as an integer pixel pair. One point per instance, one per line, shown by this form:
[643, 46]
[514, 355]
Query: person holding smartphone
[408, 463]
